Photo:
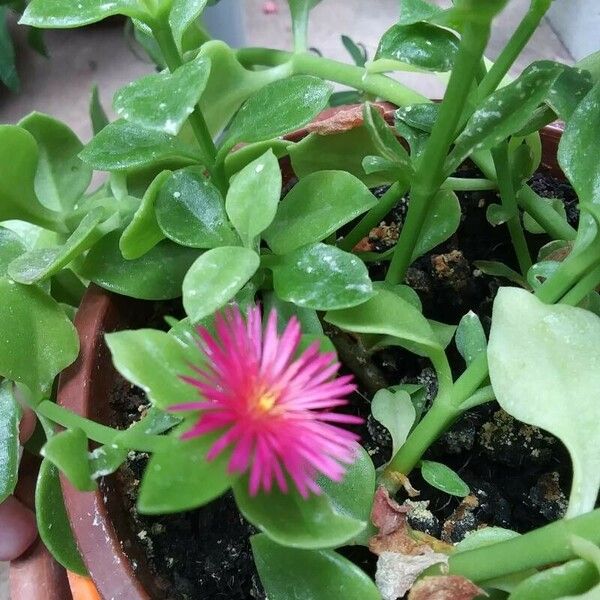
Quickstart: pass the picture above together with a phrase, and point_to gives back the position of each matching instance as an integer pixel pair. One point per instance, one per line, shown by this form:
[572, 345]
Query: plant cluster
[183, 215]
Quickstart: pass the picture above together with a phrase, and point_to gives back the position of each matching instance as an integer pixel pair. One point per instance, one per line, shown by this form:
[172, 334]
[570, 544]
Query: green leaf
[184, 13]
[505, 112]
[420, 116]
[122, 145]
[8, 69]
[11, 246]
[68, 450]
[243, 156]
[61, 177]
[356, 51]
[420, 45]
[308, 318]
[143, 232]
[415, 11]
[179, 477]
[296, 522]
[18, 166]
[253, 197]
[215, 278]
[442, 222]
[322, 277]
[27, 315]
[498, 269]
[10, 415]
[316, 207]
[396, 412]
[164, 101]
[41, 263]
[191, 212]
[97, 115]
[470, 337]
[309, 574]
[341, 152]
[157, 275]
[278, 108]
[390, 315]
[443, 478]
[154, 361]
[543, 367]
[62, 14]
[53, 522]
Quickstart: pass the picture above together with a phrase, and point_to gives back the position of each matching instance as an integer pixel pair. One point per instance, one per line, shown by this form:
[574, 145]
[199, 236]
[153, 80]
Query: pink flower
[275, 411]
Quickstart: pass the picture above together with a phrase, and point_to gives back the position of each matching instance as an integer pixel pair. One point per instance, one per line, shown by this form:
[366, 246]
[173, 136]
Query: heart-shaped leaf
[215, 278]
[309, 574]
[122, 145]
[61, 176]
[63, 14]
[543, 366]
[190, 211]
[164, 101]
[10, 414]
[443, 478]
[184, 13]
[157, 275]
[279, 108]
[53, 522]
[297, 522]
[253, 196]
[316, 207]
[396, 412]
[322, 277]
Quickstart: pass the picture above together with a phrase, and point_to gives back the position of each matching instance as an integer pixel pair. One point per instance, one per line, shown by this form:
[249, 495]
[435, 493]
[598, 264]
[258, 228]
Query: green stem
[513, 49]
[507, 194]
[539, 208]
[373, 217]
[588, 283]
[463, 184]
[99, 433]
[428, 177]
[352, 76]
[538, 548]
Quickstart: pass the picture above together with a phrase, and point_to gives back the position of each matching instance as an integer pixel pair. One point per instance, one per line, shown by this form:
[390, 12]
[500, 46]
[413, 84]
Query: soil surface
[518, 475]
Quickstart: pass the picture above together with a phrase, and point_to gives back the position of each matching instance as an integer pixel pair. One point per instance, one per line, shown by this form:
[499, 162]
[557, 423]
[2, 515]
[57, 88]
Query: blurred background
[106, 55]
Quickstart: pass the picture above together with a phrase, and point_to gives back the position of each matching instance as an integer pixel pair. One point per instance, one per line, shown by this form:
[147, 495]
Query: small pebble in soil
[421, 518]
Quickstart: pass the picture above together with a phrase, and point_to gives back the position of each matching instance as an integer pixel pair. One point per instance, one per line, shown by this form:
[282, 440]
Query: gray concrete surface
[60, 86]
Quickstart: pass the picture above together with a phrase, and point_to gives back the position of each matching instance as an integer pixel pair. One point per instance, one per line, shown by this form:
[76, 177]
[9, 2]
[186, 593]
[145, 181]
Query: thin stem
[540, 209]
[428, 177]
[464, 184]
[588, 283]
[356, 77]
[373, 217]
[509, 202]
[513, 49]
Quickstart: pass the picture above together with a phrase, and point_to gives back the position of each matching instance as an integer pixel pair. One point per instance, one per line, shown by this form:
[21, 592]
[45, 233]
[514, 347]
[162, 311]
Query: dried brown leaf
[343, 119]
[445, 587]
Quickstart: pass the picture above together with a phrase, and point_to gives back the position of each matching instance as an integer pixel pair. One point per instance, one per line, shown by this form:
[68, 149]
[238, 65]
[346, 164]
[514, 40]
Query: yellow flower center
[266, 400]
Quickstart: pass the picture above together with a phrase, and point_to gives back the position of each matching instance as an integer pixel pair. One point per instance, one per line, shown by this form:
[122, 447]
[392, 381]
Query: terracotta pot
[113, 555]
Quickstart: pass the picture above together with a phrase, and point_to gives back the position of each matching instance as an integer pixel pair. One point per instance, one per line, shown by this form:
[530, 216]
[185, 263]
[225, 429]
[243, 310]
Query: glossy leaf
[421, 45]
[191, 212]
[53, 522]
[68, 450]
[122, 145]
[309, 574]
[543, 363]
[215, 278]
[253, 197]
[420, 116]
[317, 206]
[41, 263]
[154, 361]
[322, 277]
[11, 246]
[279, 108]
[62, 14]
[27, 313]
[157, 275]
[184, 13]
[243, 156]
[143, 232]
[97, 114]
[164, 101]
[10, 415]
[415, 11]
[179, 477]
[470, 337]
[296, 522]
[308, 318]
[396, 412]
[390, 315]
[505, 111]
[61, 177]
[18, 165]
[443, 478]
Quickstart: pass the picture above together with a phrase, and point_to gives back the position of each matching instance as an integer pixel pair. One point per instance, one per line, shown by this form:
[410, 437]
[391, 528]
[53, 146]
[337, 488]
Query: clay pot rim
[100, 312]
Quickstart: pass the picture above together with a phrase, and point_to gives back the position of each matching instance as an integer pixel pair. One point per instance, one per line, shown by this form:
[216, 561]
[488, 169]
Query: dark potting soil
[518, 475]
